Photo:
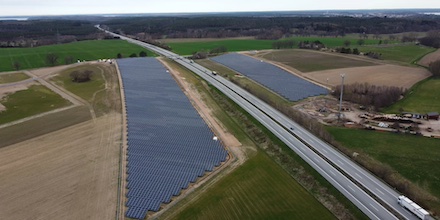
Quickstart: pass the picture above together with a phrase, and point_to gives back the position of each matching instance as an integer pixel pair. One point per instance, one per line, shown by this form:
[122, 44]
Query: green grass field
[12, 77]
[83, 50]
[85, 90]
[424, 97]
[43, 125]
[308, 61]
[37, 99]
[188, 48]
[402, 53]
[259, 189]
[414, 157]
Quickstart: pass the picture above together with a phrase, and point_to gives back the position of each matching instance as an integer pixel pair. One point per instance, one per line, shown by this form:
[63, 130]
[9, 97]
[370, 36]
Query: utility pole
[340, 97]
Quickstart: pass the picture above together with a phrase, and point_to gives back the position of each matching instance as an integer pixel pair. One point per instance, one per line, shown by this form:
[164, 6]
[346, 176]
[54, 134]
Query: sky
[71, 7]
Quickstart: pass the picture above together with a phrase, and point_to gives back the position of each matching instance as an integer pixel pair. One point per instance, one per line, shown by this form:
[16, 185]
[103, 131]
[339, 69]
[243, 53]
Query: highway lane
[367, 204]
[312, 158]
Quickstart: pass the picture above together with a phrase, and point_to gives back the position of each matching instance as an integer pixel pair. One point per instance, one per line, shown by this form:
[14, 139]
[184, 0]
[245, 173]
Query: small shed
[432, 115]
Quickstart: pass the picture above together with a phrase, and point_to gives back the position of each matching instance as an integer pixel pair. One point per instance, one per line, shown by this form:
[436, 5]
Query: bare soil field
[389, 75]
[319, 68]
[69, 170]
[68, 174]
[426, 60]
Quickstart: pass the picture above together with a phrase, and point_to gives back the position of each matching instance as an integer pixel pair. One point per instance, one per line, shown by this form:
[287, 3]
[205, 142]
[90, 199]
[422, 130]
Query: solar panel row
[169, 145]
[276, 79]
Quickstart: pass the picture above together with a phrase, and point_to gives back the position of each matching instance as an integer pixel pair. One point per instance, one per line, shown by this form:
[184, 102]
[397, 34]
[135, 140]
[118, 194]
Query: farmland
[402, 53]
[259, 189]
[411, 156]
[30, 58]
[333, 42]
[188, 48]
[326, 68]
[309, 60]
[424, 97]
[64, 165]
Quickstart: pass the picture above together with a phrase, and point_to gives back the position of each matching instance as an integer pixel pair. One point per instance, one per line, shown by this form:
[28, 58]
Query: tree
[361, 42]
[347, 43]
[356, 51]
[143, 54]
[133, 55]
[51, 59]
[119, 55]
[16, 65]
[434, 67]
[80, 77]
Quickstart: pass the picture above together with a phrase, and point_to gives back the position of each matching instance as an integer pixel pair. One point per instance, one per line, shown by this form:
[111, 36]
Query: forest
[37, 32]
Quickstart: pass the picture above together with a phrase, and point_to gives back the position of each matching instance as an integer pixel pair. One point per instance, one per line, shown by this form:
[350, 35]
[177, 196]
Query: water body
[432, 13]
[14, 18]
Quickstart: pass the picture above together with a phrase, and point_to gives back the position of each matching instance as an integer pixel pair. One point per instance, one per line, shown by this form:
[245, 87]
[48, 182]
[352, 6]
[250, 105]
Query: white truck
[413, 207]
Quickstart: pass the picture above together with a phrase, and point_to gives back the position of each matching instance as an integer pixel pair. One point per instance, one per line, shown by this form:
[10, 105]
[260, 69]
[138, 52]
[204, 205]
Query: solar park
[169, 144]
[289, 86]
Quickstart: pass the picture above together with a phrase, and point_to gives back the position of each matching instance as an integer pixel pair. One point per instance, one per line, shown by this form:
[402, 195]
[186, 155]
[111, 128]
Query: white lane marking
[374, 207]
[357, 174]
[332, 173]
[317, 160]
[351, 189]
[380, 191]
[340, 162]
[324, 151]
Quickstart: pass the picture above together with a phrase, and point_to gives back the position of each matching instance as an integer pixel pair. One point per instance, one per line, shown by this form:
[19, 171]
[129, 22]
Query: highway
[335, 171]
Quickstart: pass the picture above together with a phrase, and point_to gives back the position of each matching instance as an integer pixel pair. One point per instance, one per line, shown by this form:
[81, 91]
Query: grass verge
[410, 156]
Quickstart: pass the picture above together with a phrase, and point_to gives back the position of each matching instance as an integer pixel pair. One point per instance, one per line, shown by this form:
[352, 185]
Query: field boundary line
[122, 152]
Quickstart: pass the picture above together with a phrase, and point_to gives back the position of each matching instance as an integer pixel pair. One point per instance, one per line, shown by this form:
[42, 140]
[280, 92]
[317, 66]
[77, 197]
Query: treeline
[432, 39]
[268, 27]
[207, 53]
[45, 32]
[370, 95]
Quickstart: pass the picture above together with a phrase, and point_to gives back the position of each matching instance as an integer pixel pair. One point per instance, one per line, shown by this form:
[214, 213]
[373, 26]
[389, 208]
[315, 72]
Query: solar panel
[274, 78]
[169, 144]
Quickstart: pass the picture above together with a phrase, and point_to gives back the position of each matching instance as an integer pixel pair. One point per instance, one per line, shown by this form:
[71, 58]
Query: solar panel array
[169, 144]
[276, 79]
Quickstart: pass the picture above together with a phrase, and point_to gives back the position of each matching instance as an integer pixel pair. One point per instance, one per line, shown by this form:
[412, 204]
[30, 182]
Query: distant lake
[432, 13]
[14, 18]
